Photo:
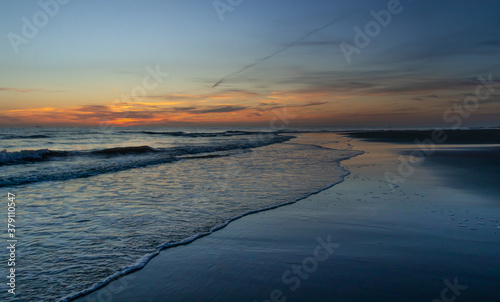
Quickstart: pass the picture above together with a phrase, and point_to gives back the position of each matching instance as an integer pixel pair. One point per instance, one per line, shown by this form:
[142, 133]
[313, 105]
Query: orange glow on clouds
[225, 107]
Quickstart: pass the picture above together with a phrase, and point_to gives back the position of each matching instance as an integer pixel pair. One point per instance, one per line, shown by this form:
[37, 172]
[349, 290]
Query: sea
[94, 204]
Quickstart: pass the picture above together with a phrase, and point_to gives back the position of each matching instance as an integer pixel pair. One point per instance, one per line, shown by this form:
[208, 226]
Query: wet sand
[357, 241]
[452, 136]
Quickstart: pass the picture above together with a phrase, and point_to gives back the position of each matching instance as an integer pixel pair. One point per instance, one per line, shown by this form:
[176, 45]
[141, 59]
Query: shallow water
[87, 216]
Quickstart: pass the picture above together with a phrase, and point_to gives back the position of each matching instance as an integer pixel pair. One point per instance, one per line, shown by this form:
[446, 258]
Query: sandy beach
[430, 239]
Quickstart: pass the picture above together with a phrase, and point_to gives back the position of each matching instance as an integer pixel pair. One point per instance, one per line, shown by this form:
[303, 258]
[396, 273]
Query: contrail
[281, 50]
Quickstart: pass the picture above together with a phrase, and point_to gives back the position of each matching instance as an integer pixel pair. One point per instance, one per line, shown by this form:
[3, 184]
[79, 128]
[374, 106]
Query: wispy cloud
[312, 104]
[379, 82]
[219, 109]
[28, 90]
[290, 45]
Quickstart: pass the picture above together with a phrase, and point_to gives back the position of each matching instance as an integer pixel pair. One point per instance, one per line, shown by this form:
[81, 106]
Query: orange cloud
[225, 107]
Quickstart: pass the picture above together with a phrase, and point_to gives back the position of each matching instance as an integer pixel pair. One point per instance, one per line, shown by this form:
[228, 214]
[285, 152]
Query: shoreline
[374, 213]
[143, 261]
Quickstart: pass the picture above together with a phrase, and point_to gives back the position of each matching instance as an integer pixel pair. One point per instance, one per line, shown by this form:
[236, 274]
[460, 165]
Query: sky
[337, 63]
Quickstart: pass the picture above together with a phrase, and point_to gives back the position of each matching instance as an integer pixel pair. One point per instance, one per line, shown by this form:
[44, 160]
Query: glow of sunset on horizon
[92, 61]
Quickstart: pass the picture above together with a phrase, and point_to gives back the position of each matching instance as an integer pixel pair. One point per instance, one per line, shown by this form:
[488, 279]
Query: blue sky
[91, 53]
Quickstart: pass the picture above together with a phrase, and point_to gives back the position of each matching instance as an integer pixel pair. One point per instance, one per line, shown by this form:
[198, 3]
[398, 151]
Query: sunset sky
[244, 62]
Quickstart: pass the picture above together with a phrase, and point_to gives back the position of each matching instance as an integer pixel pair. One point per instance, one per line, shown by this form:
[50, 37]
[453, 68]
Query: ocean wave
[24, 156]
[70, 170]
[28, 156]
[306, 131]
[126, 150]
[203, 134]
[109, 160]
[24, 136]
